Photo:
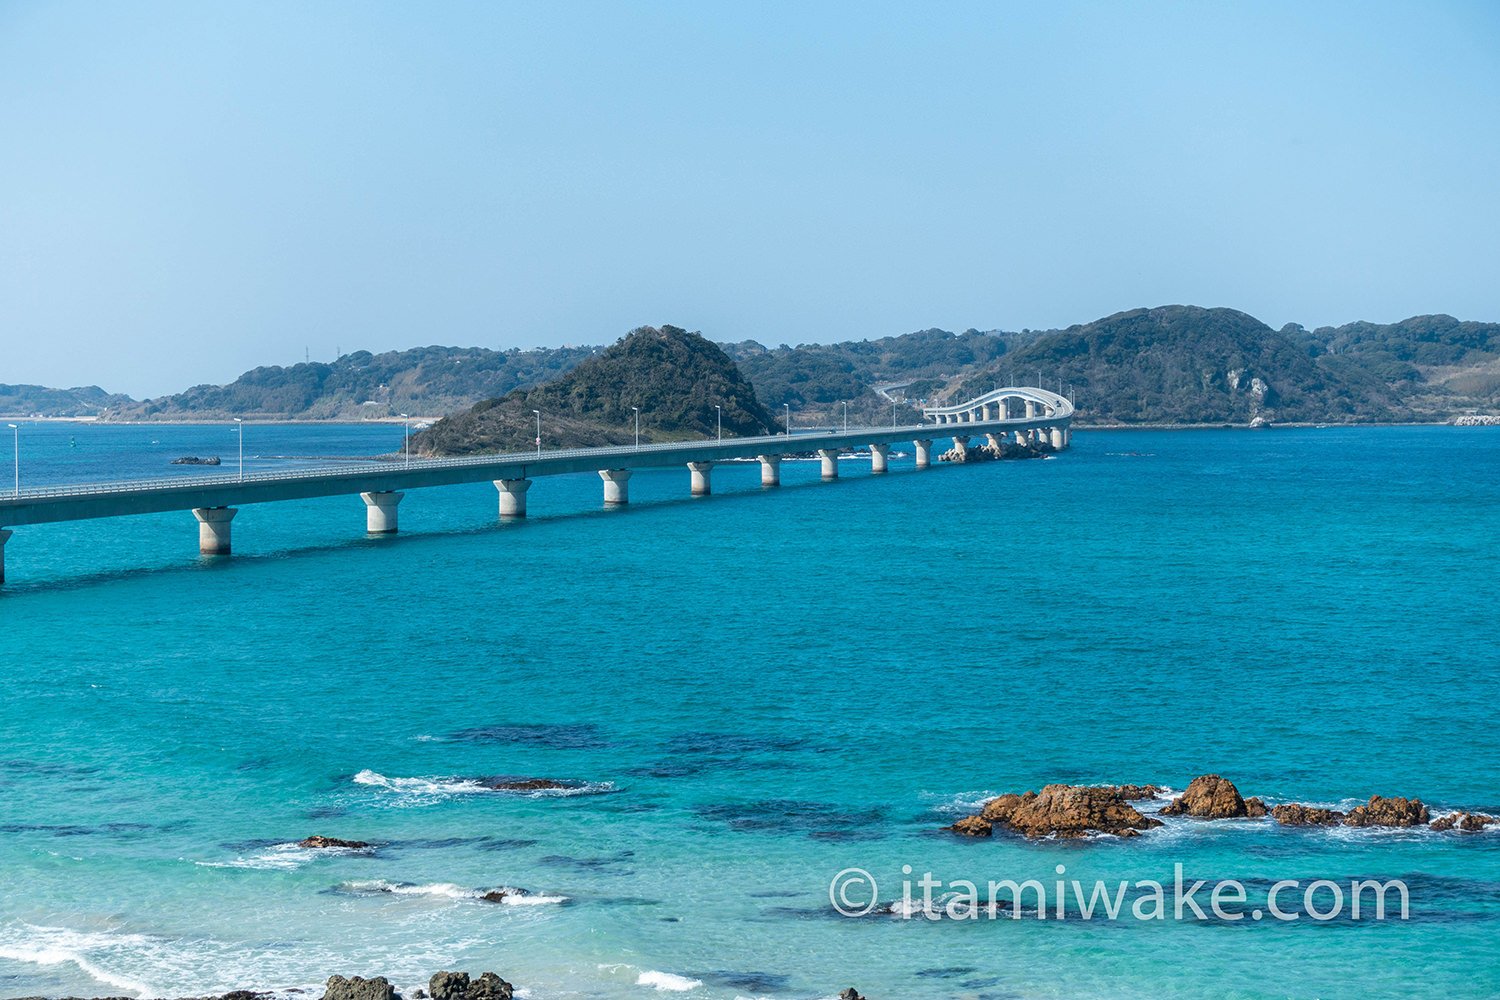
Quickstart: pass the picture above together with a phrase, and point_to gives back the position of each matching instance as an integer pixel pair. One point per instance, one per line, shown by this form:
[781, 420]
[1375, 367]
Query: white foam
[278, 857]
[447, 890]
[60, 946]
[419, 791]
[667, 981]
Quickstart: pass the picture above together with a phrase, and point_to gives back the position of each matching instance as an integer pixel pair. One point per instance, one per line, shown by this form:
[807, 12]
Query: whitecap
[60, 946]
[667, 981]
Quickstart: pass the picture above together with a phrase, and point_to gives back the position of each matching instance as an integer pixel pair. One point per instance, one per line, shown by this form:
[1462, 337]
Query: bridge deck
[91, 500]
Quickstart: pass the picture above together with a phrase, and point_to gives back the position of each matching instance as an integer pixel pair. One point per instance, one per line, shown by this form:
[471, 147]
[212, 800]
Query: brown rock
[358, 988]
[1255, 808]
[973, 826]
[1395, 811]
[317, 841]
[456, 986]
[850, 994]
[495, 896]
[1066, 811]
[1211, 797]
[1133, 793]
[1470, 822]
[1297, 814]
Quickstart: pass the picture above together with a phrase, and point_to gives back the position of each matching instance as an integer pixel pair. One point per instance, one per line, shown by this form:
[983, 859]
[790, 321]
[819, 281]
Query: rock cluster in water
[1071, 811]
[195, 460]
[990, 453]
[1065, 811]
[317, 841]
[1210, 796]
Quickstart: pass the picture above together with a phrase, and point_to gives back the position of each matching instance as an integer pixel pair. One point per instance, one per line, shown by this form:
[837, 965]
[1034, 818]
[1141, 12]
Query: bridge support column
[380, 512]
[213, 529]
[512, 496]
[880, 457]
[995, 441]
[924, 454]
[961, 442]
[1057, 438]
[616, 485]
[770, 470]
[1030, 408]
[830, 457]
[4, 535]
[702, 487]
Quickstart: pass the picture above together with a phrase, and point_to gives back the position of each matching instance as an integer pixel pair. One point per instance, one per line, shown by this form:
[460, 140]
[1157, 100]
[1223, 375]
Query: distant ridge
[1169, 364]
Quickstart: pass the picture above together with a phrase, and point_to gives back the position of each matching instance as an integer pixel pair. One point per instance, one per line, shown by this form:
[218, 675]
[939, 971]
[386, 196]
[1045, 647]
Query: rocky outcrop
[1064, 811]
[457, 986]
[195, 460]
[359, 988]
[1210, 796]
[972, 826]
[989, 453]
[1297, 814]
[850, 994]
[1395, 811]
[1134, 793]
[317, 841]
[1469, 822]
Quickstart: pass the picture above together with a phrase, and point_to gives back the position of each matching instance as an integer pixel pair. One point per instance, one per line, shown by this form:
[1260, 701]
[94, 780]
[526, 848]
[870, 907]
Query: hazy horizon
[189, 192]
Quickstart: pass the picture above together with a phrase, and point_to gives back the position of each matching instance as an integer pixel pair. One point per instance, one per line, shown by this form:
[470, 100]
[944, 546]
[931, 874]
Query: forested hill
[1186, 364]
[425, 381]
[680, 382]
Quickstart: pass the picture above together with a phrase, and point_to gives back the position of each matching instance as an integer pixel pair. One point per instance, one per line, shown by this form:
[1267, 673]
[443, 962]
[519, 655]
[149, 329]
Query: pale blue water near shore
[763, 689]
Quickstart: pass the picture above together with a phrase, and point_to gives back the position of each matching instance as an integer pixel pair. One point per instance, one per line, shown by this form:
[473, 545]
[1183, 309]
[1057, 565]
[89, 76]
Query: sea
[762, 708]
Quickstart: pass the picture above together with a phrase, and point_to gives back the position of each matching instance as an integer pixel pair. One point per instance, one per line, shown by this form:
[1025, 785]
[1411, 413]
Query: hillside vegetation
[427, 381]
[675, 378]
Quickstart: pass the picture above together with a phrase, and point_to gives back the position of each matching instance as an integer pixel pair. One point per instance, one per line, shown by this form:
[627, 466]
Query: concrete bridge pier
[213, 529]
[512, 496]
[830, 457]
[1057, 438]
[880, 457]
[924, 454]
[770, 470]
[961, 442]
[380, 512]
[1030, 408]
[4, 535]
[1020, 437]
[702, 487]
[616, 485]
[995, 441]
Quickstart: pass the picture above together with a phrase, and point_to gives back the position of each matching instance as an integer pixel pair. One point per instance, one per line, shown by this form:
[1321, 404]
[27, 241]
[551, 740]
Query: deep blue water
[757, 690]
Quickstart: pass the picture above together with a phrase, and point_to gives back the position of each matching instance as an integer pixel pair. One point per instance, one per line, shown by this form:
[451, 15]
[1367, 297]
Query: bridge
[1044, 418]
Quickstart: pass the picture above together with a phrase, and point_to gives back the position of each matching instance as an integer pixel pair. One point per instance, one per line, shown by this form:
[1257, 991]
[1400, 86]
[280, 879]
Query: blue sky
[188, 190]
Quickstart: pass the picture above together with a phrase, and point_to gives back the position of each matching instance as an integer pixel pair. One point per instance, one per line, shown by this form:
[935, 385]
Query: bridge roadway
[213, 498]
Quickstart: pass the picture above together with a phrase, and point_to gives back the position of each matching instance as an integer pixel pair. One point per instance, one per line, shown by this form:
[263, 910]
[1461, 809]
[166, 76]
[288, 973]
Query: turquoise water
[754, 691]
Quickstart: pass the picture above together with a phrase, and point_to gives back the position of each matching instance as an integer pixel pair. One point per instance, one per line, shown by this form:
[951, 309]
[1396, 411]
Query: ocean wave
[667, 981]
[281, 857]
[61, 946]
[504, 895]
[427, 790]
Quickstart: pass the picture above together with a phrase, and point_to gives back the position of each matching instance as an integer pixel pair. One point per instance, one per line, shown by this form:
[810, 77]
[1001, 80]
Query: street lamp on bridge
[239, 427]
[637, 410]
[538, 432]
[408, 439]
[18, 456]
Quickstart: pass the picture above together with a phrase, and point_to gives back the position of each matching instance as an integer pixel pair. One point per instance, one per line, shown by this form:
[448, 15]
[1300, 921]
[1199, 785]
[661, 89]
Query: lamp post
[846, 416]
[18, 456]
[637, 410]
[721, 420]
[408, 439]
[788, 418]
[239, 426]
[538, 432]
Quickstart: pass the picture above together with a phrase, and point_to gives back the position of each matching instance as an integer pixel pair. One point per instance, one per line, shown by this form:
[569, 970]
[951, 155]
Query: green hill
[676, 378]
[427, 381]
[1186, 364]
[40, 401]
